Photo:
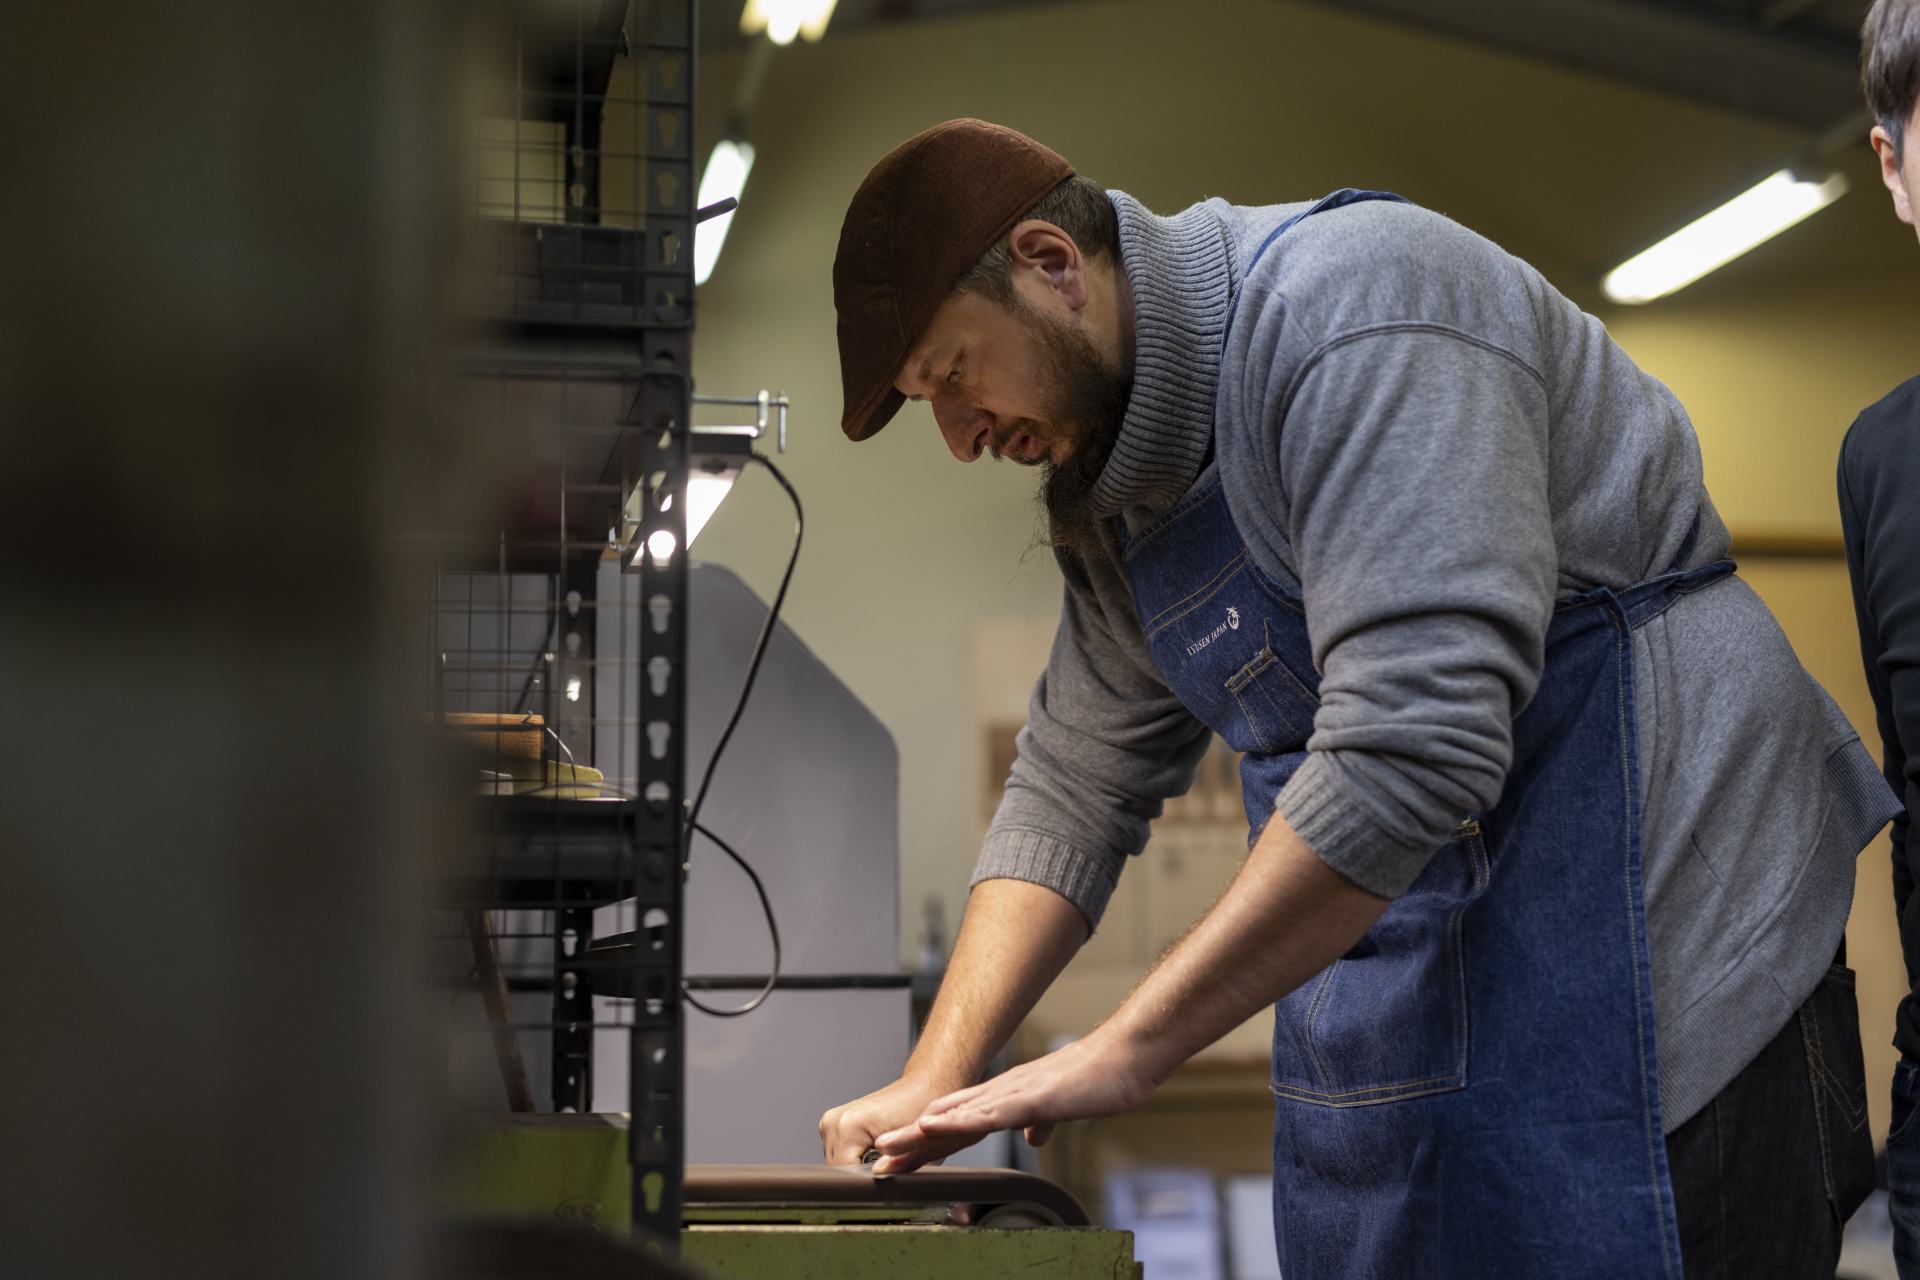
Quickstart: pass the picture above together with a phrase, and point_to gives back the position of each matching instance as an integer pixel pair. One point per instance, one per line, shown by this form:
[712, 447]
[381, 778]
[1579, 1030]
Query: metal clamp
[769, 409]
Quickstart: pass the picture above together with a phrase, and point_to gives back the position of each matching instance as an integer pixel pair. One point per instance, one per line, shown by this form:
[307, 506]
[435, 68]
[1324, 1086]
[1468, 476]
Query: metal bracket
[770, 408]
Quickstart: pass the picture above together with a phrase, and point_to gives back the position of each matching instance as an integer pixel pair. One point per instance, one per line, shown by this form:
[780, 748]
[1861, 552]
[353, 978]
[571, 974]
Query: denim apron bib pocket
[1472, 1091]
[1239, 643]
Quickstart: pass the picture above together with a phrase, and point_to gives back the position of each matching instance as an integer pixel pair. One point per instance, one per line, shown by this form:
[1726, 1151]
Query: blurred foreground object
[222, 249]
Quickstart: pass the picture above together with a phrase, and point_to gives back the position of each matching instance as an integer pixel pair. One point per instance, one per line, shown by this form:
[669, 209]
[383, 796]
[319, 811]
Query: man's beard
[1086, 407]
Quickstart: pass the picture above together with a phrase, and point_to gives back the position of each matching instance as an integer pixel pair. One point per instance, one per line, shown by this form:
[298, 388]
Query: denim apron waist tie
[1472, 1090]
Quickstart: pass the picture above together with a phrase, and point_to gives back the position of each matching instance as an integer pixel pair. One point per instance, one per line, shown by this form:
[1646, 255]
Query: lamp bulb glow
[704, 493]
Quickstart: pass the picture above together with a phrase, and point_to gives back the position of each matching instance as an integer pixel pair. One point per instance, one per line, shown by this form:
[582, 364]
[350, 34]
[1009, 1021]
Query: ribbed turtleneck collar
[1182, 285]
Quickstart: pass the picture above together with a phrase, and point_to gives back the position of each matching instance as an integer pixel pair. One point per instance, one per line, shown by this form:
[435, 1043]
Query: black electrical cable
[759, 648]
[773, 932]
[726, 735]
[547, 637]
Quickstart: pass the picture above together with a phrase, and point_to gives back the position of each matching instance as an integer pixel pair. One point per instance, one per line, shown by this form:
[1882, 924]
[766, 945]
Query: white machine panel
[808, 792]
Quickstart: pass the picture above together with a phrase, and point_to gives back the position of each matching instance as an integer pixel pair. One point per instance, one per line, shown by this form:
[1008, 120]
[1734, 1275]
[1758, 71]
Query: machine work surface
[783, 1252]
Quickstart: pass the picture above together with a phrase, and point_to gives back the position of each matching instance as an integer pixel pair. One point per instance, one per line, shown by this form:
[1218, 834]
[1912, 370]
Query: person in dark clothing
[1880, 517]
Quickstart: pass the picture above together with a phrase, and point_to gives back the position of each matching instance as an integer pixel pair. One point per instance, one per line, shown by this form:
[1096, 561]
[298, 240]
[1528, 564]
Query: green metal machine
[788, 1222]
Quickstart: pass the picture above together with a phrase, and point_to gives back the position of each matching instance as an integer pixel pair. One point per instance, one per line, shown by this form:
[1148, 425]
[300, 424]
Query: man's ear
[1044, 248]
[1890, 173]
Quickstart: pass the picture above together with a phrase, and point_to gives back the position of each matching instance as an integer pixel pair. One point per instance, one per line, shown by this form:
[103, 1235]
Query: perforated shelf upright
[582, 346]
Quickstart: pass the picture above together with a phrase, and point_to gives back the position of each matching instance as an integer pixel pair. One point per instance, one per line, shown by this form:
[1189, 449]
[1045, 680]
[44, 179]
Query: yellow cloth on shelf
[521, 776]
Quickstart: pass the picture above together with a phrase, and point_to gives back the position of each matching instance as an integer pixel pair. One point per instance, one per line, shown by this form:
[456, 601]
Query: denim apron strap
[1473, 1089]
[1344, 196]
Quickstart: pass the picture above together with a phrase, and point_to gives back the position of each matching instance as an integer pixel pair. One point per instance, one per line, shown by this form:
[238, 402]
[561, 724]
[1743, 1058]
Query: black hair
[1890, 64]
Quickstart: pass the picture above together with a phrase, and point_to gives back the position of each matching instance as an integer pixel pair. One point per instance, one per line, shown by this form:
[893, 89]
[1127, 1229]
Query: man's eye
[953, 374]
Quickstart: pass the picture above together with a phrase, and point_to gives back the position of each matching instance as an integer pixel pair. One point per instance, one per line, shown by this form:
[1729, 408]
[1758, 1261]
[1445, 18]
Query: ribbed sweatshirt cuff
[1021, 853]
[1320, 803]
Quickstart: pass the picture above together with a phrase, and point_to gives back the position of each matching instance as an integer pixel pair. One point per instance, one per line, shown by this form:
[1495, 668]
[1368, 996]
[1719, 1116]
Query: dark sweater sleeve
[1880, 519]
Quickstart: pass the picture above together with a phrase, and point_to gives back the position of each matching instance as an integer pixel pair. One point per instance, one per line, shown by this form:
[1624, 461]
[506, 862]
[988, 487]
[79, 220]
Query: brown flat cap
[925, 214]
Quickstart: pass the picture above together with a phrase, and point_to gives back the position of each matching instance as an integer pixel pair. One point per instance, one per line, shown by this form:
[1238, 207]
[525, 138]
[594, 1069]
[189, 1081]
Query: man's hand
[1097, 1076]
[1015, 939]
[1286, 917]
[848, 1132]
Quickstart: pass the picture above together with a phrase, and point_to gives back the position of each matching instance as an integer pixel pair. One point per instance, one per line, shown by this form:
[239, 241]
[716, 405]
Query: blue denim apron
[1472, 1090]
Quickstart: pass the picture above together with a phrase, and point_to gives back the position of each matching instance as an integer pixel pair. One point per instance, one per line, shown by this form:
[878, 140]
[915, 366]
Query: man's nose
[962, 426]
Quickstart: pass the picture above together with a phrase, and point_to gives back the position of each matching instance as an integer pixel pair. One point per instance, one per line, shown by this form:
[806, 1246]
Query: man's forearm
[1286, 916]
[1014, 940]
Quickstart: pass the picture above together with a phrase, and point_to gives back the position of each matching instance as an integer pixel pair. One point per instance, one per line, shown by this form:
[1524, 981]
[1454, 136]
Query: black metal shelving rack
[576, 308]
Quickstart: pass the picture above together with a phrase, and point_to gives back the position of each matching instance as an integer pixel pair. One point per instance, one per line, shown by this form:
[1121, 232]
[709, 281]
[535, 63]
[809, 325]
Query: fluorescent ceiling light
[725, 176]
[782, 20]
[1718, 238]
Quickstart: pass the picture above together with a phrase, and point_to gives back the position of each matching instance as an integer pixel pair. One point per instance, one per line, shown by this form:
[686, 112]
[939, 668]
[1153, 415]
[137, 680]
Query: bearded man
[1551, 837]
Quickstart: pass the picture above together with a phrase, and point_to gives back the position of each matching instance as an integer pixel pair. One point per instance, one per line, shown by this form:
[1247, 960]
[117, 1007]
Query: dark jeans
[1903, 1169]
[1766, 1175]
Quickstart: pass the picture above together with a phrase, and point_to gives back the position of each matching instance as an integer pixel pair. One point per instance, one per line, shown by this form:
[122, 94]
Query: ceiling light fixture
[1707, 243]
[725, 178]
[782, 20]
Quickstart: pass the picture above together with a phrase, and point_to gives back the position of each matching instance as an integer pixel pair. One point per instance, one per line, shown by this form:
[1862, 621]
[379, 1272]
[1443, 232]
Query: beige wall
[1255, 101]
[1774, 375]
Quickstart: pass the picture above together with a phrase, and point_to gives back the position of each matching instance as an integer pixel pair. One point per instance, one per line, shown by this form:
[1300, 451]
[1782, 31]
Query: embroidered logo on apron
[1231, 624]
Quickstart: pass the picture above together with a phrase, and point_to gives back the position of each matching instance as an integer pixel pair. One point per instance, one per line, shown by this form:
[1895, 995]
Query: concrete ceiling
[1791, 62]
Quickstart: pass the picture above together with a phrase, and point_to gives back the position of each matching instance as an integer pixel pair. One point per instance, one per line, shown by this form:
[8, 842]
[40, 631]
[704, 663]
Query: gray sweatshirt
[1415, 428]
